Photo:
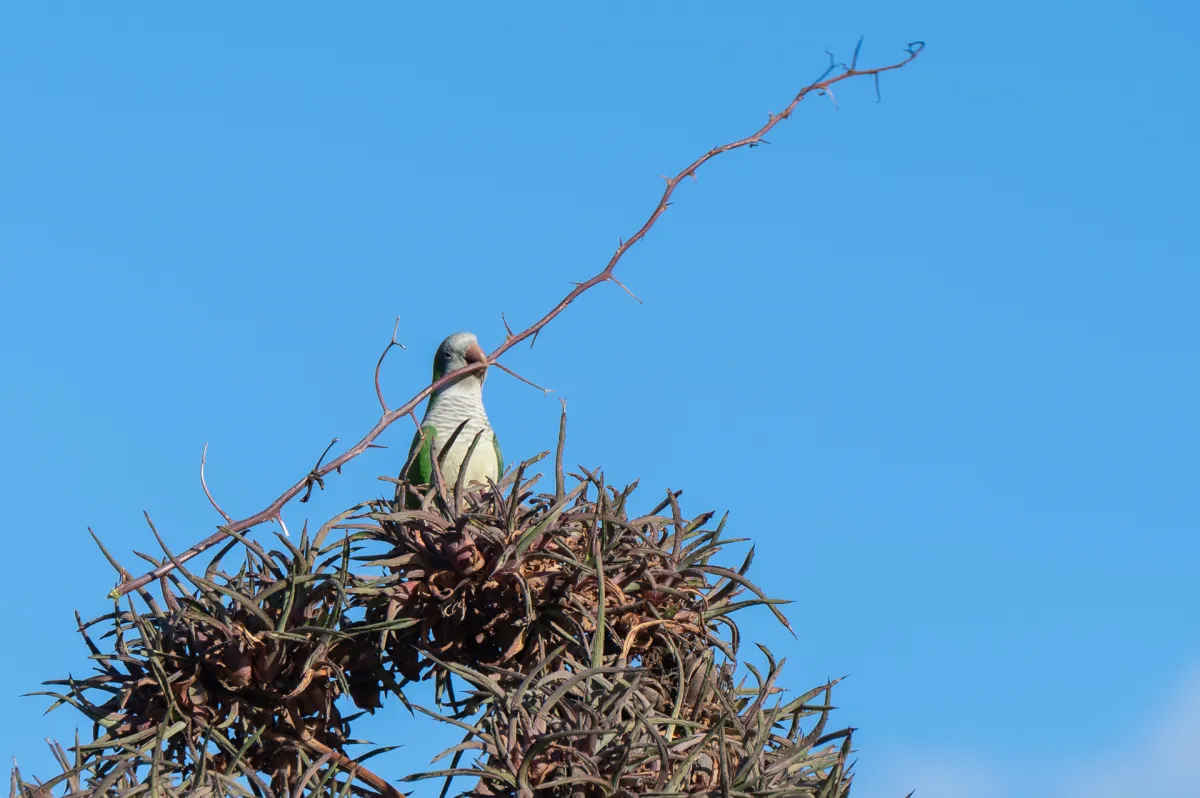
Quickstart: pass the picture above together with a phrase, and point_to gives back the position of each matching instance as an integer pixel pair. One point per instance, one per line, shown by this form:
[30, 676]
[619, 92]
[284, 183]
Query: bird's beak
[474, 354]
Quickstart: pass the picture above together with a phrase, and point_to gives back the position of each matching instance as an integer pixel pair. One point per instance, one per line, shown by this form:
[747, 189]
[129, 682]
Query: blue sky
[937, 356]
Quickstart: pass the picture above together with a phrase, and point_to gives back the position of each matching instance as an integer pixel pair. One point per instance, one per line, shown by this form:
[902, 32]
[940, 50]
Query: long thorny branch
[316, 476]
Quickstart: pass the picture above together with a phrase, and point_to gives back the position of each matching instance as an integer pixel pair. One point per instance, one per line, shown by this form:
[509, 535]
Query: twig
[203, 484]
[605, 275]
[315, 476]
[379, 365]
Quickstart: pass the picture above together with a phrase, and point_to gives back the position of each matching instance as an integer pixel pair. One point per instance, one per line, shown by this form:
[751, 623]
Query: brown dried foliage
[583, 650]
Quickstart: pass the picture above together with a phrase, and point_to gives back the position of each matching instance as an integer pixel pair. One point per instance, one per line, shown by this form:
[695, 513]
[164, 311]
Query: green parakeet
[450, 406]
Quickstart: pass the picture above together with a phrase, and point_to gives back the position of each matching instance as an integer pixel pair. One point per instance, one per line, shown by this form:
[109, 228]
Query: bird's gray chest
[446, 415]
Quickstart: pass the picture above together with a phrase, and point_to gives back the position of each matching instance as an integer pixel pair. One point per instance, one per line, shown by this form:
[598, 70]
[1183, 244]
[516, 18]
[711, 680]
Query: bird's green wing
[499, 457]
[421, 470]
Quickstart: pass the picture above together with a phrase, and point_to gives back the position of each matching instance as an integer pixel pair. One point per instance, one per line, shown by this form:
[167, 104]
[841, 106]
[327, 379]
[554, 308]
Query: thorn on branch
[506, 369]
[831, 97]
[854, 60]
[618, 282]
[507, 330]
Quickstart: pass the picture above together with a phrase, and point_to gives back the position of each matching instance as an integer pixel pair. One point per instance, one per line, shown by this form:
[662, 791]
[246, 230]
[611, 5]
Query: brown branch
[512, 339]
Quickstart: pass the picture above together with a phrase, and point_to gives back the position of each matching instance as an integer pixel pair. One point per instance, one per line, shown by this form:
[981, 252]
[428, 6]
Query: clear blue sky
[938, 356]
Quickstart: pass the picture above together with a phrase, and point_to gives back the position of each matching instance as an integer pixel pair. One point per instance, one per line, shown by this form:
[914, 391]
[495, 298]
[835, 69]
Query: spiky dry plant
[581, 650]
[232, 678]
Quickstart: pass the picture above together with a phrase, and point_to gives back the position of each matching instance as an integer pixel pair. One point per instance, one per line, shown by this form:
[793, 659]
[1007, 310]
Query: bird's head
[456, 352]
